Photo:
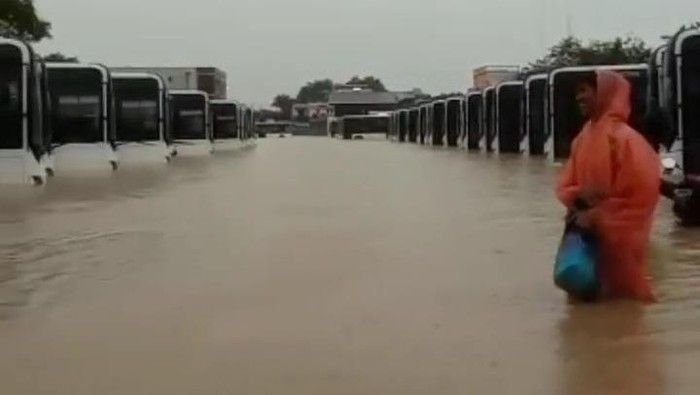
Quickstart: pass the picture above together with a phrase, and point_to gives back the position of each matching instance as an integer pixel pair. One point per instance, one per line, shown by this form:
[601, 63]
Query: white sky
[275, 46]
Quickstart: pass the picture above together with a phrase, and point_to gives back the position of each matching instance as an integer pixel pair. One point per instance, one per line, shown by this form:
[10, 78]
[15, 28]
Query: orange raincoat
[613, 159]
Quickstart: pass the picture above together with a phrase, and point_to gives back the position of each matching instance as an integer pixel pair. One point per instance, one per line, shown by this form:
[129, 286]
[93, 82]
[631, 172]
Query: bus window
[225, 120]
[36, 128]
[567, 118]
[537, 115]
[454, 114]
[489, 120]
[438, 123]
[11, 97]
[690, 91]
[77, 105]
[474, 132]
[189, 117]
[509, 117]
[137, 109]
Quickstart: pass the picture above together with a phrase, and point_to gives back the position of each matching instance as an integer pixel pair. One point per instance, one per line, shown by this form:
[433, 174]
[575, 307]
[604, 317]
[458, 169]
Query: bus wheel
[114, 165]
[36, 180]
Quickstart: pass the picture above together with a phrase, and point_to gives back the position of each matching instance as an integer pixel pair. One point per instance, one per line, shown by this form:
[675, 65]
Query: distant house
[361, 101]
[493, 75]
[311, 112]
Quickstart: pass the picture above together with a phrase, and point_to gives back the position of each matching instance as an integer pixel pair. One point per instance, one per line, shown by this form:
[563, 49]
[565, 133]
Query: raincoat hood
[613, 102]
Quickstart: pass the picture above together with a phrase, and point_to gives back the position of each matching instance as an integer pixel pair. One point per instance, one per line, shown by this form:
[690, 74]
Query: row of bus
[57, 117]
[539, 116]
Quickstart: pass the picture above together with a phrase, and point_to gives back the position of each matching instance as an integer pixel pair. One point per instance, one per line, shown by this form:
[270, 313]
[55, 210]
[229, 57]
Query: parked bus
[681, 180]
[242, 124]
[413, 125]
[463, 136]
[422, 123]
[439, 118]
[489, 120]
[224, 122]
[428, 138]
[455, 120]
[403, 125]
[535, 119]
[509, 101]
[475, 133]
[141, 112]
[190, 122]
[25, 135]
[565, 118]
[249, 129]
[82, 117]
[352, 125]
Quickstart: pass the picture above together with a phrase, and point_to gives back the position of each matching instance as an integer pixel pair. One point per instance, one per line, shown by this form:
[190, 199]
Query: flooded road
[319, 266]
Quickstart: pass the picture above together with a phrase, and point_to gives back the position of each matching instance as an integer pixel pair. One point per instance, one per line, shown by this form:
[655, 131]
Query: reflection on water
[609, 349]
[324, 266]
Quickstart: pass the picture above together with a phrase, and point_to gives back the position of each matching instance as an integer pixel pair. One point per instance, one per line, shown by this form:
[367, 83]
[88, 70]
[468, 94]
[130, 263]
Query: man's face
[586, 97]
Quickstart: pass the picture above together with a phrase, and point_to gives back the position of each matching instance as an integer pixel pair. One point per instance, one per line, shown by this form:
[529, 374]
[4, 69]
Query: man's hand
[584, 219]
[592, 196]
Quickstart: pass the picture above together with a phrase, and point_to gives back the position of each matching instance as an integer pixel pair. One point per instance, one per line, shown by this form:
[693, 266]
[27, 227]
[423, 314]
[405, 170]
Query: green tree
[370, 82]
[58, 57]
[285, 104]
[315, 91]
[18, 19]
[571, 51]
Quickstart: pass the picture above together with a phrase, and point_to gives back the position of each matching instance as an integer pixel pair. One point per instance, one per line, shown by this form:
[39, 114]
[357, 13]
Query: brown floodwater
[320, 266]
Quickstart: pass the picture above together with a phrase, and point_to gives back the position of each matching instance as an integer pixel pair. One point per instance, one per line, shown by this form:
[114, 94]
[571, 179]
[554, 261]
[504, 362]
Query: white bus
[509, 100]
[82, 117]
[225, 125]
[24, 137]
[439, 122]
[141, 112]
[454, 120]
[190, 122]
[490, 137]
[475, 103]
[535, 119]
[565, 118]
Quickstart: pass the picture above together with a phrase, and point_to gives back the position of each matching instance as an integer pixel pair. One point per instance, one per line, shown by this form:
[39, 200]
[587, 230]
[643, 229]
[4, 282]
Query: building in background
[314, 115]
[361, 101]
[493, 75]
[207, 79]
[311, 112]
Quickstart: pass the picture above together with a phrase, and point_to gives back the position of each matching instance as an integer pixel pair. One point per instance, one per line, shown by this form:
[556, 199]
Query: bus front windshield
[137, 110]
[77, 105]
[189, 117]
[11, 97]
[225, 121]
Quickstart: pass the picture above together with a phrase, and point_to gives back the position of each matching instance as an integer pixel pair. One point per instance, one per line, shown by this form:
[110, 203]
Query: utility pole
[569, 19]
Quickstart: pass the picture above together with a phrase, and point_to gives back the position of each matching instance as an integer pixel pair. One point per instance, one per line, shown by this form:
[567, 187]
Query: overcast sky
[275, 46]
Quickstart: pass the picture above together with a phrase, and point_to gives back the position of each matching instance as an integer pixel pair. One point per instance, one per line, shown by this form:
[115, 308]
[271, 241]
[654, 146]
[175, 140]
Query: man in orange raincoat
[614, 171]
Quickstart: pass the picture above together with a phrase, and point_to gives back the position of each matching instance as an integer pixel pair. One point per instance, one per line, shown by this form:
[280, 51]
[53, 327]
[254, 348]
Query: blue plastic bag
[576, 266]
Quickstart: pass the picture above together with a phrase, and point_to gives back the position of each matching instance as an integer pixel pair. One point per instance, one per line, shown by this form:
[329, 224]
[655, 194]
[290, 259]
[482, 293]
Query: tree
[58, 57]
[315, 91]
[570, 51]
[18, 19]
[370, 82]
[285, 104]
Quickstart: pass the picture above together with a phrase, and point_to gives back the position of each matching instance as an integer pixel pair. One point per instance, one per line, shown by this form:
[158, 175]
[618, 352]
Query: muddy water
[318, 266]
